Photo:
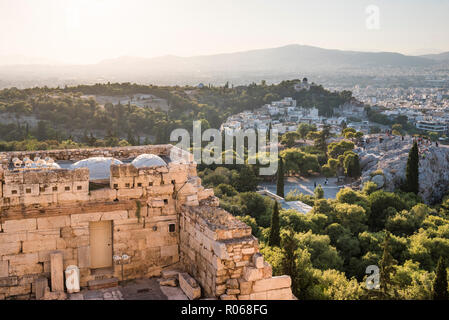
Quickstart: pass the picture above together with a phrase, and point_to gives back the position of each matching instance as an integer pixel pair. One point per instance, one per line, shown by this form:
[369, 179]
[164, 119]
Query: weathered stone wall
[47, 187]
[159, 216]
[46, 210]
[220, 252]
[79, 154]
[26, 244]
[44, 187]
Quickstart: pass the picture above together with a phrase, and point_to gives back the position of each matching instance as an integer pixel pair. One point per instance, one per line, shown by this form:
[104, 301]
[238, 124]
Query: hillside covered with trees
[327, 250]
[44, 118]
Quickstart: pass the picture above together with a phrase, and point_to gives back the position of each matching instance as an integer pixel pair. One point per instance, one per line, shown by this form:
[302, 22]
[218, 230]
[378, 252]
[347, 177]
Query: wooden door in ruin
[100, 244]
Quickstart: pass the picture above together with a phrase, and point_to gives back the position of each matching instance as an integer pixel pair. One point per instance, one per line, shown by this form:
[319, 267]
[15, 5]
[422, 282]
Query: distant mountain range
[289, 59]
[438, 57]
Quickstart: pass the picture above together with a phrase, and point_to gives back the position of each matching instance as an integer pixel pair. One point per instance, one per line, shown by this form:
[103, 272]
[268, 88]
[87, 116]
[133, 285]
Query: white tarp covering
[148, 160]
[99, 167]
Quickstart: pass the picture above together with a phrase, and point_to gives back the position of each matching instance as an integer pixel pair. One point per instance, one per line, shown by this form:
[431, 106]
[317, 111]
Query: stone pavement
[306, 185]
[139, 289]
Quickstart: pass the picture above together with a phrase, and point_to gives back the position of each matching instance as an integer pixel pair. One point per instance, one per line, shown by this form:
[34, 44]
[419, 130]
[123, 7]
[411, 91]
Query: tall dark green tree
[439, 290]
[41, 131]
[351, 165]
[92, 140]
[131, 139]
[320, 138]
[280, 178]
[275, 229]
[269, 131]
[412, 170]
[27, 129]
[386, 266]
[289, 247]
[247, 180]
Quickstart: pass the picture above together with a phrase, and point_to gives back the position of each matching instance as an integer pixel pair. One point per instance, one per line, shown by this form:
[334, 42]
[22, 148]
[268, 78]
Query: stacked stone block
[159, 215]
[220, 252]
[26, 246]
[44, 187]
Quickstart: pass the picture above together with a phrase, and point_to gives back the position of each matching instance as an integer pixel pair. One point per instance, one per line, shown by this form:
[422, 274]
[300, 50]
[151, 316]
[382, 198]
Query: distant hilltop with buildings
[285, 115]
[423, 109]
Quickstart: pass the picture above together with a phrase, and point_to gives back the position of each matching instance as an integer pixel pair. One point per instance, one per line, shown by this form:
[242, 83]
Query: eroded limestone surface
[390, 157]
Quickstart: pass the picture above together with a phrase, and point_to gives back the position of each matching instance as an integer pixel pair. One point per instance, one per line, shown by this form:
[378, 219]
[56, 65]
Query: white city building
[433, 126]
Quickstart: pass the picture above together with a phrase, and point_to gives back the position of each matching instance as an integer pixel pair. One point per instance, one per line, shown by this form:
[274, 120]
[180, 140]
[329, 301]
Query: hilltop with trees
[44, 118]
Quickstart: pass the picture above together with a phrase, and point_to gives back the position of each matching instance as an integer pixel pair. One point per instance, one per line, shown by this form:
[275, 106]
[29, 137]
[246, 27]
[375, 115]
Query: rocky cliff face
[391, 155]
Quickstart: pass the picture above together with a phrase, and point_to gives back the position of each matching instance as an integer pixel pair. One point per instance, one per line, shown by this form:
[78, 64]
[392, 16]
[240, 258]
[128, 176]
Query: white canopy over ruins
[148, 160]
[99, 167]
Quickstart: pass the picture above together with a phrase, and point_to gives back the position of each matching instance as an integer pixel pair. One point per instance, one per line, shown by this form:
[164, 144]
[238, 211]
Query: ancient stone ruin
[156, 216]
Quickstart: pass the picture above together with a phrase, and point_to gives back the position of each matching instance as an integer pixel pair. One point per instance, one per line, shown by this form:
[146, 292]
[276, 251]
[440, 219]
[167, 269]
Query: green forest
[327, 251]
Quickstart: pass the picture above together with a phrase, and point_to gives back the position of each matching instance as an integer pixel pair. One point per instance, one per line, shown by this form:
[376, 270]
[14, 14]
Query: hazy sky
[87, 31]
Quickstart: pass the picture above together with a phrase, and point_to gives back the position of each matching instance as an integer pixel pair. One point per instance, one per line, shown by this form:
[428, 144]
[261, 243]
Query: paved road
[306, 185]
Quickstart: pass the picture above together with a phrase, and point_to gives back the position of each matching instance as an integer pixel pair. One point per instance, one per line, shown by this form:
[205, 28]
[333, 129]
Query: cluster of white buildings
[283, 116]
[433, 120]
[426, 108]
[403, 97]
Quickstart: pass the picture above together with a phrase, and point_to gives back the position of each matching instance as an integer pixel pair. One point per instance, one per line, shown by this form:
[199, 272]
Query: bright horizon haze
[88, 31]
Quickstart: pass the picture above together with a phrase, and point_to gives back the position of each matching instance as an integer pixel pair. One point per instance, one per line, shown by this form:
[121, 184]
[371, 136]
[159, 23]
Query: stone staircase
[102, 283]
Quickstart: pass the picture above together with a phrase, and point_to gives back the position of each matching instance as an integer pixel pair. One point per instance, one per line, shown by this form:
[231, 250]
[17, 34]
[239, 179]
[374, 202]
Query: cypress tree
[131, 139]
[412, 170]
[386, 266]
[439, 291]
[275, 232]
[280, 178]
[289, 266]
